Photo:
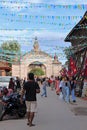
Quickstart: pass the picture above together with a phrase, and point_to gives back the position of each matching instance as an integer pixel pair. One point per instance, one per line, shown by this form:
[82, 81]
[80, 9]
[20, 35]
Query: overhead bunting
[27, 16]
[39, 29]
[28, 38]
[28, 5]
[41, 22]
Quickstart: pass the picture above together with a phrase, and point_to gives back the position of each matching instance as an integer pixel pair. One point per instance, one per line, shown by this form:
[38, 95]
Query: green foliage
[9, 51]
[68, 52]
[13, 46]
[37, 71]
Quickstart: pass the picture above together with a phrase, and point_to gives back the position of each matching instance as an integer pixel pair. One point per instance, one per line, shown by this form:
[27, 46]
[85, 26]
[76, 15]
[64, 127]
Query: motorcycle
[12, 106]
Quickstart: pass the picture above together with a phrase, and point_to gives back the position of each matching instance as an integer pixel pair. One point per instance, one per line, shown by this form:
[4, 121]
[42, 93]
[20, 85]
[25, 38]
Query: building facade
[78, 39]
[37, 59]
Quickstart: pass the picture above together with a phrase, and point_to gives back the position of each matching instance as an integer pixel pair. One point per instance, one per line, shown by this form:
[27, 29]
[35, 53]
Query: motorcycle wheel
[2, 115]
[22, 111]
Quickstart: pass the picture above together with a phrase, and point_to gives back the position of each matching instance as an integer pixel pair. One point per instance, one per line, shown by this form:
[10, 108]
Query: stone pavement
[79, 108]
[52, 114]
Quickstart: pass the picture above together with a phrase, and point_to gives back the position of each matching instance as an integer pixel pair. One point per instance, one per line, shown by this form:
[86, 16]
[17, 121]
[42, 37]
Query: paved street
[52, 114]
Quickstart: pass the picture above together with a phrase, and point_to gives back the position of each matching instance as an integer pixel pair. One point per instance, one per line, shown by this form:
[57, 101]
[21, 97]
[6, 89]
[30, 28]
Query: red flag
[69, 73]
[73, 68]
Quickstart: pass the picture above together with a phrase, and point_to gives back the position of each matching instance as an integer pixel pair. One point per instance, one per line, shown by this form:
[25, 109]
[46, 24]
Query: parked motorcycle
[12, 106]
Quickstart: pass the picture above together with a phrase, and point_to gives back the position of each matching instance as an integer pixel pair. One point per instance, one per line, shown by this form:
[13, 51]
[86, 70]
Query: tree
[9, 51]
[12, 46]
[68, 52]
[37, 71]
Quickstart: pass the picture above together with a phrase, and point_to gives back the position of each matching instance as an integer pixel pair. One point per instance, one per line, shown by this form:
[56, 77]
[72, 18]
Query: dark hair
[61, 78]
[73, 78]
[31, 76]
[11, 79]
[61, 89]
[5, 91]
[44, 79]
[66, 84]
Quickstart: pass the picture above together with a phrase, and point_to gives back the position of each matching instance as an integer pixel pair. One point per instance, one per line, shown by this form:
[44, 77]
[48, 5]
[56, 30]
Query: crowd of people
[63, 87]
[67, 87]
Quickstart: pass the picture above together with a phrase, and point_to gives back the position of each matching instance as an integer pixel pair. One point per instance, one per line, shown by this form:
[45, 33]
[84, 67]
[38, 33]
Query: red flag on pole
[73, 68]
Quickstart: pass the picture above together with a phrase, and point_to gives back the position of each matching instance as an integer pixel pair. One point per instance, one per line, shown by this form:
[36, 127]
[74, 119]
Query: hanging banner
[26, 16]
[31, 21]
[28, 5]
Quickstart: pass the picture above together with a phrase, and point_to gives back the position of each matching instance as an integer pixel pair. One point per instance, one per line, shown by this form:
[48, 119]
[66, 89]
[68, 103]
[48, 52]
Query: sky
[26, 19]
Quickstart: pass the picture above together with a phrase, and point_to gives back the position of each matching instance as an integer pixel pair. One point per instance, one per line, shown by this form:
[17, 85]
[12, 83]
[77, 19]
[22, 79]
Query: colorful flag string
[27, 16]
[27, 5]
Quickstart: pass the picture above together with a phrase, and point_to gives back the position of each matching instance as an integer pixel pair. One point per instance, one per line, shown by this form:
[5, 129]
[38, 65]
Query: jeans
[67, 96]
[44, 92]
[64, 92]
[73, 94]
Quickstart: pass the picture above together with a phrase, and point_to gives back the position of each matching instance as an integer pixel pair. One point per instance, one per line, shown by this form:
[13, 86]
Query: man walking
[30, 89]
